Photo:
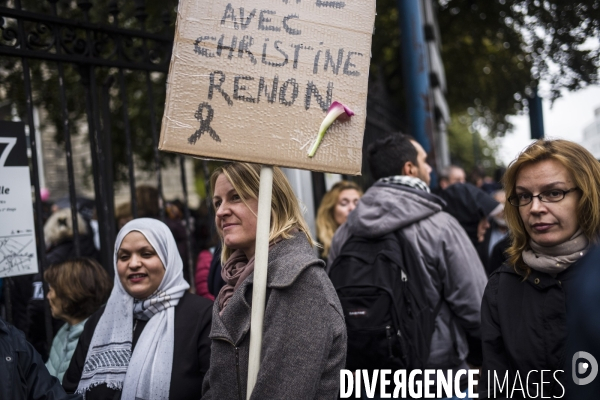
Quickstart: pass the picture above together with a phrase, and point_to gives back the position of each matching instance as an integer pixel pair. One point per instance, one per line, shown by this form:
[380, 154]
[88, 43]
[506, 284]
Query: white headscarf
[145, 374]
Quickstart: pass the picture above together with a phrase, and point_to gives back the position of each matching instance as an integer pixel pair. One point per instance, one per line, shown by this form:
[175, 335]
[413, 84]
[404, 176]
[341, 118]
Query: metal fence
[96, 68]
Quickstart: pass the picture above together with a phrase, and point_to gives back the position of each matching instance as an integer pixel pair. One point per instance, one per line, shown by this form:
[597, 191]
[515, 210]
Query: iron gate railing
[66, 38]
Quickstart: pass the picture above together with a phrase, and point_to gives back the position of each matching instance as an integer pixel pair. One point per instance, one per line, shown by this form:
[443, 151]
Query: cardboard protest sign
[252, 81]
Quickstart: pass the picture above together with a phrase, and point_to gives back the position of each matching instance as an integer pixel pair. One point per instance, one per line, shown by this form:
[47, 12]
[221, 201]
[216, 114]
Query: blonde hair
[286, 213]
[326, 224]
[585, 171]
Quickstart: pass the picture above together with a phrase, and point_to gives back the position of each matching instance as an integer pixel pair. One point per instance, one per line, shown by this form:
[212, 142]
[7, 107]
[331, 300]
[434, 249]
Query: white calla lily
[336, 110]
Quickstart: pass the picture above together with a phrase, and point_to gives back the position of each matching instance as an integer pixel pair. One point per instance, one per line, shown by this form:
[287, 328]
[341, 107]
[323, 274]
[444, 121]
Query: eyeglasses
[548, 196]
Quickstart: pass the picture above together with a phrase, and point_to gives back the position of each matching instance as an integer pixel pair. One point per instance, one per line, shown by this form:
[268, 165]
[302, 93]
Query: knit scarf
[555, 259]
[144, 373]
[235, 271]
[406, 180]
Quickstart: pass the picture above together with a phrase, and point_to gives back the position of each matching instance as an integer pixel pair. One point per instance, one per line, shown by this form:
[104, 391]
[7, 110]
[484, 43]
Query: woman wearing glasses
[553, 190]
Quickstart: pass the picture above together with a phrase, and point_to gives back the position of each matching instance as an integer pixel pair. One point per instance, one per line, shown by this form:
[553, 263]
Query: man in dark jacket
[401, 200]
[23, 374]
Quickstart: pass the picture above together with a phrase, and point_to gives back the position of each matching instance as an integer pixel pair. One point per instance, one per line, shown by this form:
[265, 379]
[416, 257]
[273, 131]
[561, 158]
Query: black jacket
[215, 280]
[468, 204]
[20, 294]
[23, 374]
[524, 328]
[498, 256]
[584, 326]
[191, 354]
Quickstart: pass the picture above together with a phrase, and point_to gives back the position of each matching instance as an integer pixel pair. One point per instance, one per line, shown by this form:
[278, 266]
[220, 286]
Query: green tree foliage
[468, 149]
[154, 17]
[486, 68]
[385, 51]
[495, 52]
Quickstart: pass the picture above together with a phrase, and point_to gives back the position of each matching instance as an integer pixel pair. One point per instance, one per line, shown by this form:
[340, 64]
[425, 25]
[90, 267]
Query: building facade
[591, 135]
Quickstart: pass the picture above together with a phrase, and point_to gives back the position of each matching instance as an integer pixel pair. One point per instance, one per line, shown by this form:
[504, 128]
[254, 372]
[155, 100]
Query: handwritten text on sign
[252, 81]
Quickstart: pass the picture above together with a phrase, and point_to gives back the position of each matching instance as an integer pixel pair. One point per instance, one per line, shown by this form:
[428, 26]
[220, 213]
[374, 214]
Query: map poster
[17, 232]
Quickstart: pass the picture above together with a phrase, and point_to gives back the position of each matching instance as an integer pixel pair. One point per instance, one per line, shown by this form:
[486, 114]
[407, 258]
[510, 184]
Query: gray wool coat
[304, 337]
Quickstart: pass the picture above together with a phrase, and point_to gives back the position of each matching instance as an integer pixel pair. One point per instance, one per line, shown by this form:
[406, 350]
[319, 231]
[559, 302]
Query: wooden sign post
[259, 290]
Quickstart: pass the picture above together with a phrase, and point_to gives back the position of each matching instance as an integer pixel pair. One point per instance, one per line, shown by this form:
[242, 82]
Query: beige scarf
[555, 259]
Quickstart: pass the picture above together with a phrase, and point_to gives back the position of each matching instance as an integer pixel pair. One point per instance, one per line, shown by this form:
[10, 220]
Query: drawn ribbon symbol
[204, 123]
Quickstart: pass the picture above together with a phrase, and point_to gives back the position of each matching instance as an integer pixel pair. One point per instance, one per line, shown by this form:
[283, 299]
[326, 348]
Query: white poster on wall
[18, 254]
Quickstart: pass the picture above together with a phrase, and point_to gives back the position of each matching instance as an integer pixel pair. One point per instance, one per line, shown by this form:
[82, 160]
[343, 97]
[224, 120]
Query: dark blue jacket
[584, 328]
[524, 329]
[23, 374]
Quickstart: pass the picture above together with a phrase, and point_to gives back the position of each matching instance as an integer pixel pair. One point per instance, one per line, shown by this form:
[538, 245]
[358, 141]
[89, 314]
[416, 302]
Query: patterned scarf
[147, 308]
[406, 180]
[145, 373]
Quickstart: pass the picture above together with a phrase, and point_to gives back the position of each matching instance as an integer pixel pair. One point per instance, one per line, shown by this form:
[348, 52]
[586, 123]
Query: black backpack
[379, 283]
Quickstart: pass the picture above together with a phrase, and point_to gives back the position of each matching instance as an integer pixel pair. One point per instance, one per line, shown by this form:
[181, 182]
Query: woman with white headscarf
[151, 339]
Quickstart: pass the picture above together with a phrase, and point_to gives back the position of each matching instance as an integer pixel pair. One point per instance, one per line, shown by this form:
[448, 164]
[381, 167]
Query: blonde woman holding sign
[304, 335]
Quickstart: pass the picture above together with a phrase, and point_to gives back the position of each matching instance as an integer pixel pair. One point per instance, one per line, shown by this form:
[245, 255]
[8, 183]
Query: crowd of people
[498, 269]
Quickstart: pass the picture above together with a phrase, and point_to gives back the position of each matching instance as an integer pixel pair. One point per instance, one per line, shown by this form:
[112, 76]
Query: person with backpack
[408, 277]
